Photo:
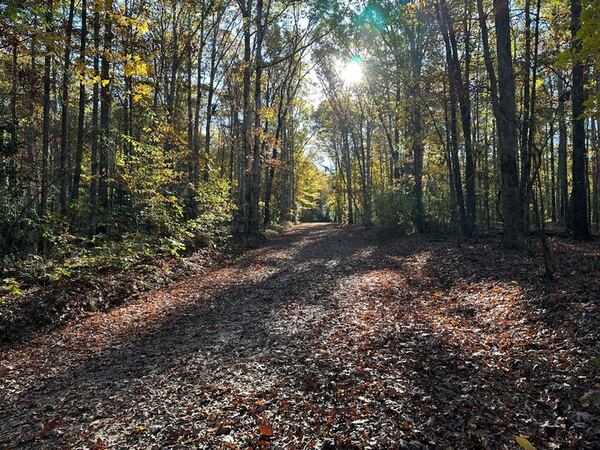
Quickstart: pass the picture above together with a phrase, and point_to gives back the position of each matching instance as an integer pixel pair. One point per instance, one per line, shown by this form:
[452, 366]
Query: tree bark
[460, 92]
[64, 116]
[46, 114]
[209, 100]
[581, 229]
[524, 144]
[453, 87]
[95, 167]
[82, 101]
[246, 7]
[253, 192]
[105, 105]
[506, 120]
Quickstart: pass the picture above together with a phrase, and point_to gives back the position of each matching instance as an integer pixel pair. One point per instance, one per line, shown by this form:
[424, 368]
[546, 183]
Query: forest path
[321, 338]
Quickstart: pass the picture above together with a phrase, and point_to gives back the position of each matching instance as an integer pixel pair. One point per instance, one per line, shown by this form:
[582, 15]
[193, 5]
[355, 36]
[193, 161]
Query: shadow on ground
[335, 340]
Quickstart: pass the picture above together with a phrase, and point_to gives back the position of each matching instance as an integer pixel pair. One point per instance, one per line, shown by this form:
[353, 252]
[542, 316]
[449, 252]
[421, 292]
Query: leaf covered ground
[326, 338]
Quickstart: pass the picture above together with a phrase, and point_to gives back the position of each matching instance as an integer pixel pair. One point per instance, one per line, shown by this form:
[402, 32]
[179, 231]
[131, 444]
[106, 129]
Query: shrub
[393, 210]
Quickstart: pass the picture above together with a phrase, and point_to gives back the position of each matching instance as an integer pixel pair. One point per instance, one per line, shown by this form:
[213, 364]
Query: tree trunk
[95, 167]
[581, 229]
[246, 6]
[524, 145]
[252, 222]
[552, 175]
[563, 182]
[64, 116]
[416, 60]
[453, 86]
[348, 169]
[507, 130]
[461, 97]
[82, 101]
[105, 104]
[209, 100]
[46, 115]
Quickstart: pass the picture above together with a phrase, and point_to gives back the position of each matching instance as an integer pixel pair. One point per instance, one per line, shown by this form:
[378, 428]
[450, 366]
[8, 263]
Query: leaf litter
[326, 338]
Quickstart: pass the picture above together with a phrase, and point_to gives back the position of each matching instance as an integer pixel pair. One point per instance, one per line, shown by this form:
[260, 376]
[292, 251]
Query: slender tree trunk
[552, 175]
[82, 102]
[254, 179]
[467, 125]
[596, 176]
[285, 99]
[562, 156]
[453, 86]
[348, 169]
[283, 194]
[486, 181]
[195, 172]
[524, 145]
[64, 116]
[13, 127]
[95, 166]
[105, 105]
[172, 85]
[46, 115]
[416, 59]
[31, 127]
[581, 229]
[209, 100]
[506, 120]
[244, 204]
[460, 92]
[529, 128]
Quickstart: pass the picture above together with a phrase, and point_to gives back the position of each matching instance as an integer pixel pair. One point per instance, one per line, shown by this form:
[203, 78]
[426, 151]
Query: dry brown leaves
[326, 338]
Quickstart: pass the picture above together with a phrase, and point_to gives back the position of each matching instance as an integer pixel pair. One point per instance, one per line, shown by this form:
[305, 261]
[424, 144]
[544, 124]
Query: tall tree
[46, 110]
[64, 114]
[581, 228]
[502, 90]
[82, 103]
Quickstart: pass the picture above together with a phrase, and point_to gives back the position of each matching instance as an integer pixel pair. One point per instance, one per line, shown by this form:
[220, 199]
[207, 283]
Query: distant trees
[472, 98]
[137, 116]
[149, 108]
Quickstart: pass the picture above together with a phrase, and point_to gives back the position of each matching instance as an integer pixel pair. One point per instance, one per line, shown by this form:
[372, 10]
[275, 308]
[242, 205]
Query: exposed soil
[326, 338]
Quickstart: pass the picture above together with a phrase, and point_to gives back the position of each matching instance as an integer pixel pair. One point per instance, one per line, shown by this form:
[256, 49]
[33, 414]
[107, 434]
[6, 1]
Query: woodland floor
[326, 338]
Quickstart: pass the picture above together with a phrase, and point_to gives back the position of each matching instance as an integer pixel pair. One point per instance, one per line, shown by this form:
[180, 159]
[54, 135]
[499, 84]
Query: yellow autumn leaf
[136, 67]
[105, 82]
[141, 92]
[142, 27]
[524, 443]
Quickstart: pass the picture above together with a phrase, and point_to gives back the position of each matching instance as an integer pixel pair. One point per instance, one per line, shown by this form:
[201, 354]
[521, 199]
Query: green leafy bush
[19, 226]
[393, 210]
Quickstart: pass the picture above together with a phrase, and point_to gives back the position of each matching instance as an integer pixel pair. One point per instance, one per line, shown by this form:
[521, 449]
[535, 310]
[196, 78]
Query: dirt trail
[322, 338]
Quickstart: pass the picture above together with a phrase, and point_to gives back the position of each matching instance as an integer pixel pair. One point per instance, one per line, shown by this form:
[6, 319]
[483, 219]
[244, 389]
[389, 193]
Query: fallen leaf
[524, 443]
[265, 430]
[47, 427]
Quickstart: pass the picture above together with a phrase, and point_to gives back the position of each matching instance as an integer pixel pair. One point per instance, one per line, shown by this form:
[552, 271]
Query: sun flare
[351, 72]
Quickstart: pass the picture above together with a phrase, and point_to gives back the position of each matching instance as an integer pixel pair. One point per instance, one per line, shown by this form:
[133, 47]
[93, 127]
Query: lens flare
[351, 72]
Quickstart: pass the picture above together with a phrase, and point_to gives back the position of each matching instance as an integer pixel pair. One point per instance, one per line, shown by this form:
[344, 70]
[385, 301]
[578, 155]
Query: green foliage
[589, 37]
[312, 190]
[19, 226]
[215, 206]
[11, 287]
[151, 180]
[393, 210]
